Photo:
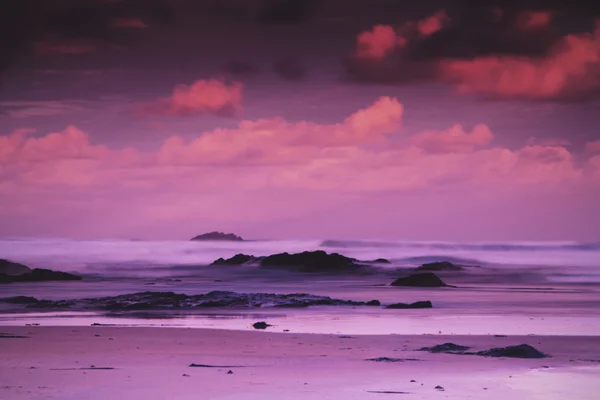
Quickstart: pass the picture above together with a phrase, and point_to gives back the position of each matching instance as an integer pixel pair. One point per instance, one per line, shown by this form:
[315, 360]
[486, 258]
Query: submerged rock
[445, 348]
[238, 259]
[311, 261]
[39, 275]
[425, 279]
[260, 325]
[169, 300]
[417, 304]
[520, 351]
[440, 266]
[218, 236]
[13, 268]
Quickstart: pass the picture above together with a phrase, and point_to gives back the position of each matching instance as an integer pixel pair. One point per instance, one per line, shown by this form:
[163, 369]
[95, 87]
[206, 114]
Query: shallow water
[512, 288]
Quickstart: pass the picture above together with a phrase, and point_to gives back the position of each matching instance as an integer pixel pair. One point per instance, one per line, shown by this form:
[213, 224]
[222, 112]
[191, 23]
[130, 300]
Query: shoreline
[150, 363]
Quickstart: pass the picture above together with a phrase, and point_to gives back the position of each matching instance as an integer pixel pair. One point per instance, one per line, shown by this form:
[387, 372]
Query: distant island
[218, 236]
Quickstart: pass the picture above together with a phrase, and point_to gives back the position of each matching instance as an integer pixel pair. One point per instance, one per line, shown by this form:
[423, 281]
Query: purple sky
[298, 119]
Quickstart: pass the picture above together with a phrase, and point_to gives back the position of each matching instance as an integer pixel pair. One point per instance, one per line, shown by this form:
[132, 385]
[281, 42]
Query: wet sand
[153, 363]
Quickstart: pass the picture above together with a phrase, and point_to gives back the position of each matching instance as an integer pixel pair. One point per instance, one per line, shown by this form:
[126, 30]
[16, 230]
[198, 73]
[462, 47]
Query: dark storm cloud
[23, 23]
[291, 69]
[475, 29]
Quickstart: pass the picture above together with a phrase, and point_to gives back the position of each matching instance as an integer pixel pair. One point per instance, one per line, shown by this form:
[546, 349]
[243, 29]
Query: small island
[218, 236]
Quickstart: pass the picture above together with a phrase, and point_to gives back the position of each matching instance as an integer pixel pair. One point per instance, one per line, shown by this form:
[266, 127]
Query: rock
[169, 300]
[440, 266]
[260, 325]
[39, 275]
[311, 261]
[418, 304]
[238, 259]
[445, 348]
[13, 268]
[391, 359]
[373, 303]
[440, 388]
[520, 351]
[425, 279]
[218, 236]
[381, 261]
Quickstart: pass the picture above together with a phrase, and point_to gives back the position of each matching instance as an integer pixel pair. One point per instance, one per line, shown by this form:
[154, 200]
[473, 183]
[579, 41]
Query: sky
[283, 119]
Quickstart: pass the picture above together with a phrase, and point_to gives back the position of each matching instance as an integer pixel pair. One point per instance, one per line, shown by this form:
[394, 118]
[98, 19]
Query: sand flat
[153, 363]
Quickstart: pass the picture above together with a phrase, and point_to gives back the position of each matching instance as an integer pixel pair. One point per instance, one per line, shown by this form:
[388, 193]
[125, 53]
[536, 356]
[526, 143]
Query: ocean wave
[499, 246]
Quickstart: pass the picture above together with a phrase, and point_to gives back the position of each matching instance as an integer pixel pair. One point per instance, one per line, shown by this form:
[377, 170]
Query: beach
[154, 363]
[143, 312]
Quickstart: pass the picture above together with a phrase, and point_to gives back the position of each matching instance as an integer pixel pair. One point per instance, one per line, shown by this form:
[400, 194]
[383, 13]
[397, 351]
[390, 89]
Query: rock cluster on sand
[520, 351]
[425, 279]
[218, 236]
[440, 266]
[11, 272]
[445, 348]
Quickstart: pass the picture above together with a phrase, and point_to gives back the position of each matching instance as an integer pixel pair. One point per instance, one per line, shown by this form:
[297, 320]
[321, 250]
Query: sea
[546, 288]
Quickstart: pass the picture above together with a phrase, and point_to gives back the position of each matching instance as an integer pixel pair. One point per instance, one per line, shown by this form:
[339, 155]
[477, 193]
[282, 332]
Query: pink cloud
[432, 24]
[201, 97]
[276, 141]
[383, 40]
[133, 23]
[530, 20]
[572, 68]
[454, 139]
[65, 157]
[378, 43]
[64, 47]
[593, 147]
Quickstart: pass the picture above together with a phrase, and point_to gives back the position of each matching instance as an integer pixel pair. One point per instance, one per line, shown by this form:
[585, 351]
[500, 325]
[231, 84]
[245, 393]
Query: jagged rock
[260, 325]
[440, 266]
[39, 275]
[238, 259]
[218, 236]
[417, 304]
[13, 268]
[170, 300]
[311, 261]
[445, 348]
[425, 279]
[520, 351]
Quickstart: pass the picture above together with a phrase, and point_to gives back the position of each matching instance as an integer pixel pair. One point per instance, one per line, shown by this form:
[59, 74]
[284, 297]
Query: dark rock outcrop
[169, 300]
[417, 304]
[425, 279]
[440, 266]
[311, 261]
[520, 351]
[445, 348]
[218, 236]
[13, 268]
[238, 259]
[39, 275]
